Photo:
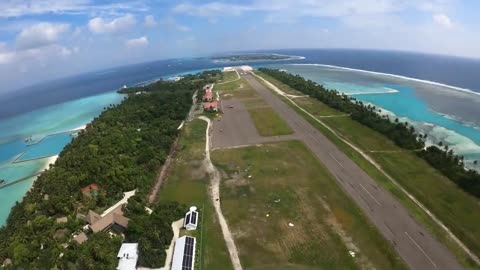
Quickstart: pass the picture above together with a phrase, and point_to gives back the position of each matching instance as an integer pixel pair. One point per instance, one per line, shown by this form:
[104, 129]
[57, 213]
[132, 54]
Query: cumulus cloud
[63, 51]
[213, 8]
[39, 35]
[6, 56]
[150, 21]
[99, 25]
[443, 21]
[171, 24]
[16, 8]
[137, 42]
[34, 55]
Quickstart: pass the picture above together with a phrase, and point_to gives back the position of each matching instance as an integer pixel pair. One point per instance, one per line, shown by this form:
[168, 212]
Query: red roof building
[90, 191]
[208, 96]
[211, 106]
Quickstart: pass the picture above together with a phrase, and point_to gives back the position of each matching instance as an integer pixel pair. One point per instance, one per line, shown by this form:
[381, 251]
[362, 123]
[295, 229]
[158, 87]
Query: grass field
[457, 210]
[285, 88]
[316, 108]
[235, 89]
[188, 184]
[294, 187]
[360, 135]
[228, 76]
[268, 123]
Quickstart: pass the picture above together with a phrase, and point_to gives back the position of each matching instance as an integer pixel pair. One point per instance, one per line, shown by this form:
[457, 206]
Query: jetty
[19, 180]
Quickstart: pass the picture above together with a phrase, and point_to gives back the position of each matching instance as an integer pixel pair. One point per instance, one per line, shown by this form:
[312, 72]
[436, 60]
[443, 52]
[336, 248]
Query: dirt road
[215, 196]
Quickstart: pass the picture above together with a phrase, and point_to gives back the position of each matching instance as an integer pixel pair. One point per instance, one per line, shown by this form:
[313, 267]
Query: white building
[184, 253]
[191, 219]
[127, 256]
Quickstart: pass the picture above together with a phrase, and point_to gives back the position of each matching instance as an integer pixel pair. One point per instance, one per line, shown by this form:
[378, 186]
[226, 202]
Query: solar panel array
[187, 218]
[187, 263]
[194, 218]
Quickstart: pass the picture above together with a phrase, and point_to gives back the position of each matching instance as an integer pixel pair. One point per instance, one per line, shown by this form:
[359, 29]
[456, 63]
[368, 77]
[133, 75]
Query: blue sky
[45, 39]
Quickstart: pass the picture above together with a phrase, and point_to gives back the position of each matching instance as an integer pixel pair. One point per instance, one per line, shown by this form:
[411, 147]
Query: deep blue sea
[437, 94]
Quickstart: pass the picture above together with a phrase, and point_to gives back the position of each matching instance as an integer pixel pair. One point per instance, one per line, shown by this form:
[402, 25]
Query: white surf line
[465, 90]
[370, 194]
[378, 167]
[371, 93]
[215, 196]
[336, 160]
[420, 248]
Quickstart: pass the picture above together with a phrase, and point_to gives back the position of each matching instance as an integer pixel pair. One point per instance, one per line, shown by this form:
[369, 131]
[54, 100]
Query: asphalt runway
[236, 128]
[412, 242]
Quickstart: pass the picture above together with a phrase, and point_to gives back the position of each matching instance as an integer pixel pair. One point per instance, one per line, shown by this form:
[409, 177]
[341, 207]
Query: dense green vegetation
[401, 134]
[120, 150]
[452, 166]
[153, 232]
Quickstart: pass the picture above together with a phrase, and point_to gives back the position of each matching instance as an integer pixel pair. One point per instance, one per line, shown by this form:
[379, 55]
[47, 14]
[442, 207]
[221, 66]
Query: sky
[47, 39]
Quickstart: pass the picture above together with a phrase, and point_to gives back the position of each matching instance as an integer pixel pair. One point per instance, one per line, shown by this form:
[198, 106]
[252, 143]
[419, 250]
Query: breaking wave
[460, 144]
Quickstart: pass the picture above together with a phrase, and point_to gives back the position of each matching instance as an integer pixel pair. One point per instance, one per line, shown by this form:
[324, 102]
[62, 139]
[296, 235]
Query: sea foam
[460, 144]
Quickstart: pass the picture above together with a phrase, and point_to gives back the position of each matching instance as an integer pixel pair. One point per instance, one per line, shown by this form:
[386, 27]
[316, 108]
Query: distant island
[254, 57]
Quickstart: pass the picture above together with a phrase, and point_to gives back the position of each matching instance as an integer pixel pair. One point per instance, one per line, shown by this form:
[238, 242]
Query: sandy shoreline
[82, 127]
[50, 160]
[46, 166]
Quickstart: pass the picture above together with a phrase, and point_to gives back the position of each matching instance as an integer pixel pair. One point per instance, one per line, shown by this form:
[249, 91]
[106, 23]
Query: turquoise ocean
[47, 131]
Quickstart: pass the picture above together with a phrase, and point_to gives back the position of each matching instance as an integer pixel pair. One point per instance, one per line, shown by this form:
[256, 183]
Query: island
[233, 169]
[254, 57]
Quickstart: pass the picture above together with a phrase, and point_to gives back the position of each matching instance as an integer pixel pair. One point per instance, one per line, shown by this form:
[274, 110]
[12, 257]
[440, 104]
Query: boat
[2, 182]
[28, 139]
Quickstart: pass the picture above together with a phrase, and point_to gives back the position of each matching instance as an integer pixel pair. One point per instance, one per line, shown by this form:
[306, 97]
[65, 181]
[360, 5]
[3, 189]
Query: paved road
[412, 242]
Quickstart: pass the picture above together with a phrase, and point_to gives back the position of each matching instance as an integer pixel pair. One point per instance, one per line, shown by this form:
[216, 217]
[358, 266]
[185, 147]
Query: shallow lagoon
[432, 108]
[48, 128]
